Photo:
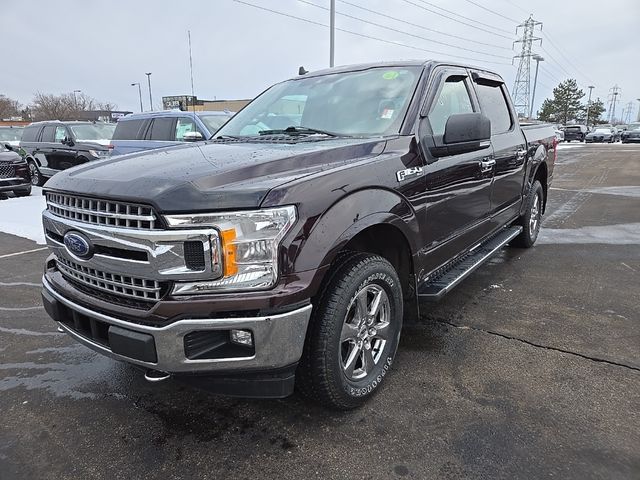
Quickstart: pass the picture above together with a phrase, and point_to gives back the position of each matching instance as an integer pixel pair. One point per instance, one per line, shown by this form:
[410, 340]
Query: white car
[559, 135]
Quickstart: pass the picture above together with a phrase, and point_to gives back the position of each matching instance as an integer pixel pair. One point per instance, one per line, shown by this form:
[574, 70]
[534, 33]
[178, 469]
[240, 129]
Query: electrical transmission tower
[626, 113]
[613, 99]
[522, 85]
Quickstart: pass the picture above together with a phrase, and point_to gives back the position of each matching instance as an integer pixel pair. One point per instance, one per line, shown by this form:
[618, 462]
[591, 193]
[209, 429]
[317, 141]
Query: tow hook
[156, 376]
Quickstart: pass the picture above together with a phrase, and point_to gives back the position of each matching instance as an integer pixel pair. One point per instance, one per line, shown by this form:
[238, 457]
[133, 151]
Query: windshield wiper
[299, 130]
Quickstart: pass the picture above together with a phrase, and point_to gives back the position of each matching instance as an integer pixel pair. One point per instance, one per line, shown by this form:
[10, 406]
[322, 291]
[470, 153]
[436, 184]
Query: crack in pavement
[537, 345]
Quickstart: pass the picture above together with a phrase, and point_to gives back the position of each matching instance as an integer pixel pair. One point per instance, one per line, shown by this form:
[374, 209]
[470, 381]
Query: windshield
[573, 129]
[603, 130]
[370, 102]
[93, 131]
[634, 126]
[214, 122]
[10, 134]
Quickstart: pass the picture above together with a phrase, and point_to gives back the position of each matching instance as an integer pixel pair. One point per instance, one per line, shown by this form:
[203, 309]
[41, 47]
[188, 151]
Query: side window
[30, 133]
[494, 106]
[184, 125]
[452, 99]
[161, 129]
[128, 130]
[48, 133]
[61, 132]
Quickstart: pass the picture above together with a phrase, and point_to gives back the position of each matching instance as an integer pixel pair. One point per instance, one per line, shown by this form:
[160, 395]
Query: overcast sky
[238, 50]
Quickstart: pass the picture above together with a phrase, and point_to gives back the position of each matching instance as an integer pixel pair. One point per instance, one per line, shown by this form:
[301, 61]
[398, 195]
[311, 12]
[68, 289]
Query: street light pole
[638, 118]
[591, 87]
[75, 100]
[150, 98]
[538, 59]
[332, 33]
[139, 93]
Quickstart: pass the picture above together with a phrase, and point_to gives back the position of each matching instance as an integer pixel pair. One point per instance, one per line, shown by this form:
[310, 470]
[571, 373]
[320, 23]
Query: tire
[347, 353]
[531, 219]
[37, 180]
[23, 192]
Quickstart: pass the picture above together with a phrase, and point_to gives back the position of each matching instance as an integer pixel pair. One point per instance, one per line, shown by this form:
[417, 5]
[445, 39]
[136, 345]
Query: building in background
[193, 103]
[108, 116]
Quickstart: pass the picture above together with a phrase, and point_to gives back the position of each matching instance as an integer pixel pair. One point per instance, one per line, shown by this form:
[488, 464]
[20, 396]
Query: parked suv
[53, 146]
[632, 133]
[575, 132]
[11, 135]
[14, 173]
[147, 131]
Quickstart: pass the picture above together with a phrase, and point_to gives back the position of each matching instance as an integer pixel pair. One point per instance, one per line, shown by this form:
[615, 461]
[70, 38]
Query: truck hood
[209, 176]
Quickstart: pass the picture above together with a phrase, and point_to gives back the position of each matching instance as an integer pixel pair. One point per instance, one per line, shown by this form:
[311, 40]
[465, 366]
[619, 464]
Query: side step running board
[435, 288]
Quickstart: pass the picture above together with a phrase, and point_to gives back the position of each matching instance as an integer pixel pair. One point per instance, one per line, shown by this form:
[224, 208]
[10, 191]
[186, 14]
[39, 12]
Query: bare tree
[9, 107]
[66, 106]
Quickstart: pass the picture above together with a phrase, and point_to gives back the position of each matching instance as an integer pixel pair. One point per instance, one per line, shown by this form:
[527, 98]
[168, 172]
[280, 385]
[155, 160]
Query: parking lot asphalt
[529, 369]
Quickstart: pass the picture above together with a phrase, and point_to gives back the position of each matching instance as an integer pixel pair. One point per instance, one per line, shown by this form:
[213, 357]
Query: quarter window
[452, 99]
[494, 106]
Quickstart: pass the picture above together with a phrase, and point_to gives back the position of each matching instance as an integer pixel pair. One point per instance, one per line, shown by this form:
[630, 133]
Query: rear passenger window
[184, 125]
[128, 130]
[30, 134]
[452, 99]
[48, 133]
[161, 129]
[494, 106]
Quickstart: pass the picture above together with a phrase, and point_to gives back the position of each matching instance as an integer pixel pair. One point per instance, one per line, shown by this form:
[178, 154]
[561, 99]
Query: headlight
[249, 243]
[99, 153]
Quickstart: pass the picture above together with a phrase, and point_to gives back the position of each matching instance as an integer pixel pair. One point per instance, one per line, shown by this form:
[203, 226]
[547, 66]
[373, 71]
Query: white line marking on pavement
[19, 284]
[19, 309]
[22, 331]
[630, 268]
[22, 253]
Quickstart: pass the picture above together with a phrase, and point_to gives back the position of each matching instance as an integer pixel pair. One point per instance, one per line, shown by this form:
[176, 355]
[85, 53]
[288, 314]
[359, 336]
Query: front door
[458, 187]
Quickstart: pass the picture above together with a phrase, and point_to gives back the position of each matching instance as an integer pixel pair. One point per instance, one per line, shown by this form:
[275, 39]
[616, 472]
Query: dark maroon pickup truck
[286, 251]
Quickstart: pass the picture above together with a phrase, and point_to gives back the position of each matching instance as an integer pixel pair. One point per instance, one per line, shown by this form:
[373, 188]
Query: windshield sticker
[390, 75]
[387, 113]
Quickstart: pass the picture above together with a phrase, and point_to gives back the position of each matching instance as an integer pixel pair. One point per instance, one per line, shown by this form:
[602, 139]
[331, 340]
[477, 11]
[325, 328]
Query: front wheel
[354, 332]
[532, 218]
[37, 180]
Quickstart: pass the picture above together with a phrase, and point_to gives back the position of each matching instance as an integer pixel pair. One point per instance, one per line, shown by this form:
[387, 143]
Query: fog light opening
[242, 337]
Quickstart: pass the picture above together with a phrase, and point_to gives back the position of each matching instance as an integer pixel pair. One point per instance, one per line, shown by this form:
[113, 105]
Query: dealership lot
[531, 368]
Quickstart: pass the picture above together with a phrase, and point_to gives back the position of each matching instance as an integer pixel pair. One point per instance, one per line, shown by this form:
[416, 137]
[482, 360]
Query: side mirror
[192, 137]
[8, 147]
[67, 141]
[463, 133]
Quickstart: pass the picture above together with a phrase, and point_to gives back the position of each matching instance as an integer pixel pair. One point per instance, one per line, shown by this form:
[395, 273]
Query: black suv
[14, 174]
[53, 146]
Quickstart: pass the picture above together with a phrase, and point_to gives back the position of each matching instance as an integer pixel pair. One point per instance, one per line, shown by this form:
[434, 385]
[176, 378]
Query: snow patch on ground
[22, 216]
[622, 234]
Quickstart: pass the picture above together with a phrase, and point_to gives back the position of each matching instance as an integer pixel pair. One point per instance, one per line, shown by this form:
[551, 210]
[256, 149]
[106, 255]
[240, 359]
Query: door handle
[521, 153]
[486, 165]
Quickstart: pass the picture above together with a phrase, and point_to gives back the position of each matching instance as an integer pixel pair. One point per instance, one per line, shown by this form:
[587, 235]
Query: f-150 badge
[409, 172]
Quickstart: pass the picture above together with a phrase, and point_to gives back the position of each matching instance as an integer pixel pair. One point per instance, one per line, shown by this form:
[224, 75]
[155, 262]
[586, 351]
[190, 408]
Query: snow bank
[22, 216]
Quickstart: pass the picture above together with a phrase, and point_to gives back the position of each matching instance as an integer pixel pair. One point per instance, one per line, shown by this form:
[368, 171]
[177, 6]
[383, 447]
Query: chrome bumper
[278, 339]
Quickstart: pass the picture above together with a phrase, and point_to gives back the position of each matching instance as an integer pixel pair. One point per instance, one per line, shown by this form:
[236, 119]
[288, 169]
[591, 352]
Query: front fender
[349, 216]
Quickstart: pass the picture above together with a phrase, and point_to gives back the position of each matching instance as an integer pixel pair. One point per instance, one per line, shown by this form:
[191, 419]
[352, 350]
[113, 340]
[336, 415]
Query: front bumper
[14, 183]
[278, 339]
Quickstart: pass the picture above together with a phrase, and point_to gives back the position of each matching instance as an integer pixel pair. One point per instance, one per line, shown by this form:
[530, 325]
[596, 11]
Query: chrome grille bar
[124, 285]
[102, 212]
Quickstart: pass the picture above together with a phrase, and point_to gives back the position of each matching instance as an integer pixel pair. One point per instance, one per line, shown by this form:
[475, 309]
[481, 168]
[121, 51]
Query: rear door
[44, 152]
[458, 186]
[508, 142]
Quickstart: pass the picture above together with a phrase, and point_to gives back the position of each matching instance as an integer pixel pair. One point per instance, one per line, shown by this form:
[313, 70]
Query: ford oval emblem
[78, 245]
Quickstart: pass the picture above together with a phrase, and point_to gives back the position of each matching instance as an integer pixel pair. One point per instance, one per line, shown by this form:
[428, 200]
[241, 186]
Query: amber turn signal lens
[229, 252]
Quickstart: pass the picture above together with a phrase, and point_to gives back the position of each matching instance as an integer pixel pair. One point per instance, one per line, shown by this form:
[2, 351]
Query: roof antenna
[302, 71]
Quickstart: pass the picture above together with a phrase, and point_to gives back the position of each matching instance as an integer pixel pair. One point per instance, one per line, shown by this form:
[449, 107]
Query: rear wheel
[532, 217]
[354, 332]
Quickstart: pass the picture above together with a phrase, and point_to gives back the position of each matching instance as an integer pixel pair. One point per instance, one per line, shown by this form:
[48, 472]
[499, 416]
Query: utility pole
[139, 93]
[75, 100]
[627, 117]
[638, 118]
[538, 59]
[191, 71]
[150, 98]
[613, 99]
[332, 33]
[522, 85]
[591, 87]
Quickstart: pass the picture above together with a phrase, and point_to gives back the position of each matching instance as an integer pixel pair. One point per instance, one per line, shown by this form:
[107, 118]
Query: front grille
[6, 170]
[102, 212]
[112, 283]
